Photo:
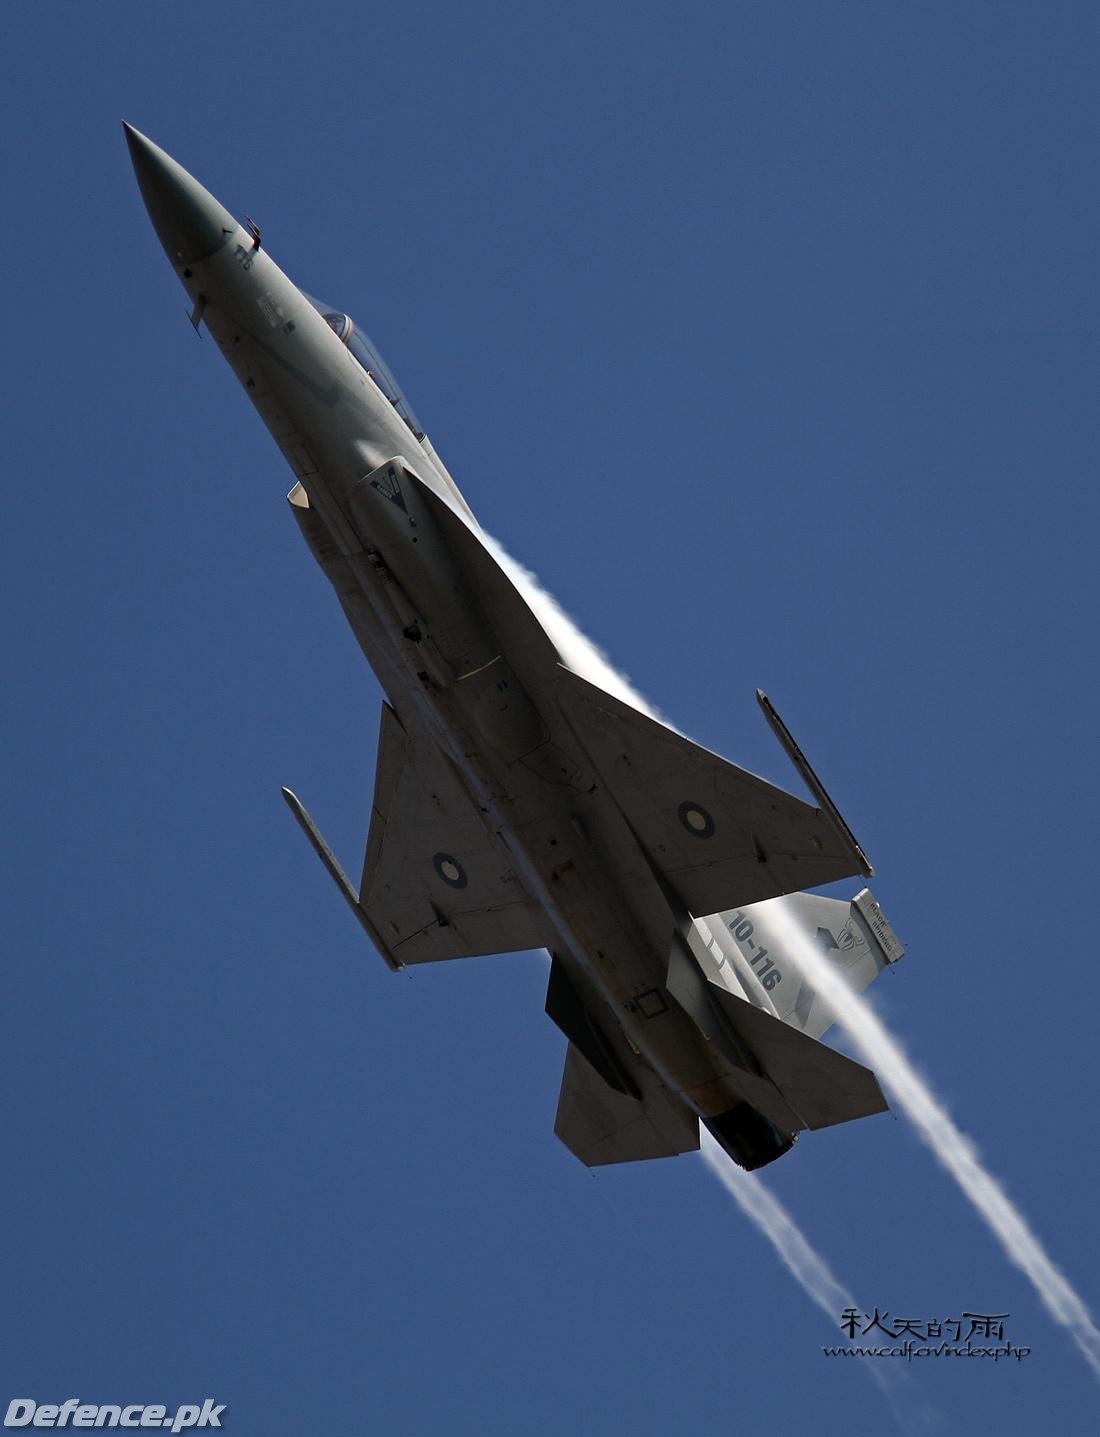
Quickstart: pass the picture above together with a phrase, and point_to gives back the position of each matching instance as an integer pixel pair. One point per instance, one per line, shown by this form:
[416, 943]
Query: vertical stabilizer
[855, 938]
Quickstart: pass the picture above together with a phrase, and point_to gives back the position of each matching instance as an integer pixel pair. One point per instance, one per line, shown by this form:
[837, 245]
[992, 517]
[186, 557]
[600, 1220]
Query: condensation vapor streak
[760, 1206]
[765, 1212]
[768, 1215]
[762, 1209]
[577, 651]
[876, 1044]
[952, 1147]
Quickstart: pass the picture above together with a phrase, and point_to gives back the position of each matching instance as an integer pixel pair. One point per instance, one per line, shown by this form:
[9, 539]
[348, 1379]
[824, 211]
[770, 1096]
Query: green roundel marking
[696, 819]
[450, 870]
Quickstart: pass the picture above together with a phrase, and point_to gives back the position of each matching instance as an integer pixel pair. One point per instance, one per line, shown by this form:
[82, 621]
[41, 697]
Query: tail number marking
[742, 929]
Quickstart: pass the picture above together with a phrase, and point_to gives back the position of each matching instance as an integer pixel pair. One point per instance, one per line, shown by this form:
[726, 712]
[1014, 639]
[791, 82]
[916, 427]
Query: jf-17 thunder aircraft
[517, 804]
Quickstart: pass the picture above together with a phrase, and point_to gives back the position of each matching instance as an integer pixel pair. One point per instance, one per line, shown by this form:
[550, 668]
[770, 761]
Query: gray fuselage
[470, 666]
[526, 771]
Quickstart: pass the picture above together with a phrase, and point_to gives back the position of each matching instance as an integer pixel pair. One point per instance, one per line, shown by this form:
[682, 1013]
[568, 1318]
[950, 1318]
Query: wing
[720, 836]
[437, 881]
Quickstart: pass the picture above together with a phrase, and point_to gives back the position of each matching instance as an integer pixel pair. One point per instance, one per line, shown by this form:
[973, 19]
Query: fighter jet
[518, 804]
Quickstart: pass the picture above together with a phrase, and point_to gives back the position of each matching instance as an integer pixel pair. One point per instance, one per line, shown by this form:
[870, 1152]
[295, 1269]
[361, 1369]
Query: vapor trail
[808, 1268]
[877, 1045]
[953, 1148]
[767, 1213]
[759, 1205]
[576, 650]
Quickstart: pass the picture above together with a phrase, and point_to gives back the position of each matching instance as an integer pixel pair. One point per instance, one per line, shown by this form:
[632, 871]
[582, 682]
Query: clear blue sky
[768, 336]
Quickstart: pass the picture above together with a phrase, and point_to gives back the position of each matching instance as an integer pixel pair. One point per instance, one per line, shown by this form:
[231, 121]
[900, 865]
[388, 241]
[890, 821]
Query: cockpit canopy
[357, 342]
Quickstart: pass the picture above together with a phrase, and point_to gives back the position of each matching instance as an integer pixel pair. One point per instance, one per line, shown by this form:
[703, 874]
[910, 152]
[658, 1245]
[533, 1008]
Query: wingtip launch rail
[813, 783]
[337, 874]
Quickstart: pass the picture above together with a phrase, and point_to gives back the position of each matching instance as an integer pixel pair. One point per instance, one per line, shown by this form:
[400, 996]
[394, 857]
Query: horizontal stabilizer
[821, 1085]
[601, 1126]
[712, 830]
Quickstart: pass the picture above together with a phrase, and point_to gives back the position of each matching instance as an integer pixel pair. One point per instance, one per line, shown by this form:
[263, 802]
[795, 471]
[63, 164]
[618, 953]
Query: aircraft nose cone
[189, 221]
